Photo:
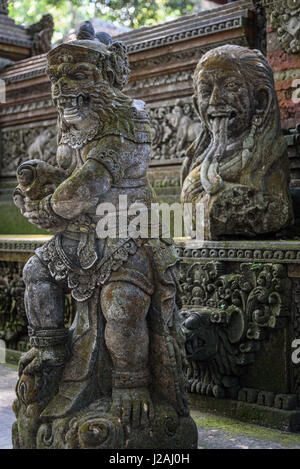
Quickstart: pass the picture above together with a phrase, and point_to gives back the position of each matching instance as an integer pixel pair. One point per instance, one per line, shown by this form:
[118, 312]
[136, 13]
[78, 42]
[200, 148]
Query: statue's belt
[130, 183]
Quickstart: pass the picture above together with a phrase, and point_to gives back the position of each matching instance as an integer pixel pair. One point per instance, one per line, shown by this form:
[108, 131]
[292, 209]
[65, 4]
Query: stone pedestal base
[241, 319]
[95, 428]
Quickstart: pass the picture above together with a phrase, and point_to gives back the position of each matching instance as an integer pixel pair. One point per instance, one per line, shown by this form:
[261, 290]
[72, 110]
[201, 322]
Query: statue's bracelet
[131, 379]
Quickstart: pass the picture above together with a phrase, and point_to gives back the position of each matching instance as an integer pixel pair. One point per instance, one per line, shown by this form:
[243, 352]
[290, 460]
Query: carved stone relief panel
[174, 127]
[21, 144]
[225, 319]
[284, 17]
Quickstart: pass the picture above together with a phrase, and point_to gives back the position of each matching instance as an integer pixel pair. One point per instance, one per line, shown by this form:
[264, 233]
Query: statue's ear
[195, 102]
[236, 326]
[263, 102]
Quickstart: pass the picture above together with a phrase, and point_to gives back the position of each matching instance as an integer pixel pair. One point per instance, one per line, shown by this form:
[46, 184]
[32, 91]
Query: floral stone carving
[236, 174]
[285, 20]
[114, 378]
[225, 317]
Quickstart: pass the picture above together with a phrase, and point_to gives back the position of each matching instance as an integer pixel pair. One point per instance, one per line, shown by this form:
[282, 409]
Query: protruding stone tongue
[210, 177]
[220, 128]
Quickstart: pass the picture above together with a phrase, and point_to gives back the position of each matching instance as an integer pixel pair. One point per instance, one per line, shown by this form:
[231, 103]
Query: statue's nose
[216, 96]
[192, 322]
[63, 84]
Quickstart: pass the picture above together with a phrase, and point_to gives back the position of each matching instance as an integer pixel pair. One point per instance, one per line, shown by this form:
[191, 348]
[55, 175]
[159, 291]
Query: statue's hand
[32, 212]
[40, 213]
[133, 406]
[19, 199]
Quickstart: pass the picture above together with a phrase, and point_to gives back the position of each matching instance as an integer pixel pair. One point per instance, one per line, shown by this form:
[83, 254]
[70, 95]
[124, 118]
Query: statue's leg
[44, 304]
[44, 299]
[125, 307]
[40, 369]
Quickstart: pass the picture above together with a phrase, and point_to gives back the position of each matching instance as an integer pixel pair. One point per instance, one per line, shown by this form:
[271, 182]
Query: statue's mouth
[193, 344]
[73, 108]
[231, 115]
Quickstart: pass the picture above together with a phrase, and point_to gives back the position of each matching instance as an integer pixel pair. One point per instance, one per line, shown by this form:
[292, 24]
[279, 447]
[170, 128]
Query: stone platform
[215, 432]
[243, 299]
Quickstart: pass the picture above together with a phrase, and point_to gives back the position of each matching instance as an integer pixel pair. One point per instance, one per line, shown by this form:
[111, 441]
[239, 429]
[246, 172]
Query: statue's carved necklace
[78, 138]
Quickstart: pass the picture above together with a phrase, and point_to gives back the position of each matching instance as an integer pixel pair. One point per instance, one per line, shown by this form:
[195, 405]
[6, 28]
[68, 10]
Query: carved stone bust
[236, 174]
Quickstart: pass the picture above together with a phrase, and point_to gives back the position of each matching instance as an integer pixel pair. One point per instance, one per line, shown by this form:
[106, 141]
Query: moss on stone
[232, 427]
[12, 222]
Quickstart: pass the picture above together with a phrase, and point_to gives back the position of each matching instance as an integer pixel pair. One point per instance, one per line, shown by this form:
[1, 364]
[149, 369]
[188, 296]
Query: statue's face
[200, 335]
[222, 91]
[72, 87]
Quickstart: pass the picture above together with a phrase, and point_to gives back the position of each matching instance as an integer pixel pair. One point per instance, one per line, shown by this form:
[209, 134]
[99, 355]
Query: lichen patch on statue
[236, 174]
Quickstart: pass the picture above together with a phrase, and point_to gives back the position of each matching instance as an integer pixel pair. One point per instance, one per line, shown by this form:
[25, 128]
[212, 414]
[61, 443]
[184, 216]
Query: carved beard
[210, 178]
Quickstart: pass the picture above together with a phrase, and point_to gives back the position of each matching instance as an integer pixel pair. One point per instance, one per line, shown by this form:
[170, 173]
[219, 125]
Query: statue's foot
[35, 360]
[133, 406]
[28, 362]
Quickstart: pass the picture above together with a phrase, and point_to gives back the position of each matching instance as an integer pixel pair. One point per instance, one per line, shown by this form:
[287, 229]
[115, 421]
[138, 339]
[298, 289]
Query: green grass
[231, 428]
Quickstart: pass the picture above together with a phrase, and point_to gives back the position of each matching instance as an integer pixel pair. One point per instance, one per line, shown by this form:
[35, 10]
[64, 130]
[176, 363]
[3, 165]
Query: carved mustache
[71, 105]
[221, 111]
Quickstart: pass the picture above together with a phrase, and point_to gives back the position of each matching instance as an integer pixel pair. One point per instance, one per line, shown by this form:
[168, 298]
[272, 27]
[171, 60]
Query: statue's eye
[80, 76]
[231, 85]
[205, 90]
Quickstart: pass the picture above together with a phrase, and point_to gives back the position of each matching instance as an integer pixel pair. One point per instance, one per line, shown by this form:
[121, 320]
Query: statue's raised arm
[113, 379]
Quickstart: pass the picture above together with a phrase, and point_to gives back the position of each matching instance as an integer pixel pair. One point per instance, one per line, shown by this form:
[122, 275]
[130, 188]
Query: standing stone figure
[236, 174]
[114, 379]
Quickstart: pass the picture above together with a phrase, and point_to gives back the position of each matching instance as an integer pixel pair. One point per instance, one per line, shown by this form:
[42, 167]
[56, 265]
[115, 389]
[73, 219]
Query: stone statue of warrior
[114, 379]
[236, 174]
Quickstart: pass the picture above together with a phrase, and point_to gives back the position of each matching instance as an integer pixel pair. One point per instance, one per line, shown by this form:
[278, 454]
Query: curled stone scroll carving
[225, 317]
[285, 20]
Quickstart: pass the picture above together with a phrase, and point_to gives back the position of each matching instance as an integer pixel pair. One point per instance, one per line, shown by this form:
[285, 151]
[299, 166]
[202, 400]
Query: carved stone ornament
[236, 174]
[33, 142]
[114, 378]
[225, 317]
[4, 7]
[285, 20]
[173, 129]
[41, 34]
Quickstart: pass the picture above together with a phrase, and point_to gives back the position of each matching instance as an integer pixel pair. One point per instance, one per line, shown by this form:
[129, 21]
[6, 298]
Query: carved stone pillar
[240, 317]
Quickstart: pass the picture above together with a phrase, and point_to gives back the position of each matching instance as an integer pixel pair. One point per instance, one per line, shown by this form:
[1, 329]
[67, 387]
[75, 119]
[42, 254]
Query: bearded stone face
[224, 95]
[72, 88]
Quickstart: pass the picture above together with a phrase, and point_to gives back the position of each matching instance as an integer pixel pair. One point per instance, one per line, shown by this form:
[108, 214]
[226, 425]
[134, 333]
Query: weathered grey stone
[284, 16]
[236, 173]
[113, 379]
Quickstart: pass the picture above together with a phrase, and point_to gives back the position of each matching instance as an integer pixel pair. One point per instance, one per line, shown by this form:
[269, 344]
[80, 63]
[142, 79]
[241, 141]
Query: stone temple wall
[264, 384]
[283, 52]
[162, 60]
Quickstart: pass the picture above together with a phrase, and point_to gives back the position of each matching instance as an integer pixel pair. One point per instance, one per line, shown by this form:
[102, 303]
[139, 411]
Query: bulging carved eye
[80, 76]
[293, 4]
[231, 85]
[204, 90]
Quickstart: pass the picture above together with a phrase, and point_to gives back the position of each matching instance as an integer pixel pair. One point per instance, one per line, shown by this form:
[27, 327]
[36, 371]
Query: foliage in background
[69, 13]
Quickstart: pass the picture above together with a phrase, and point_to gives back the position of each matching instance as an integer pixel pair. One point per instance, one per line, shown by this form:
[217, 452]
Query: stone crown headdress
[97, 49]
